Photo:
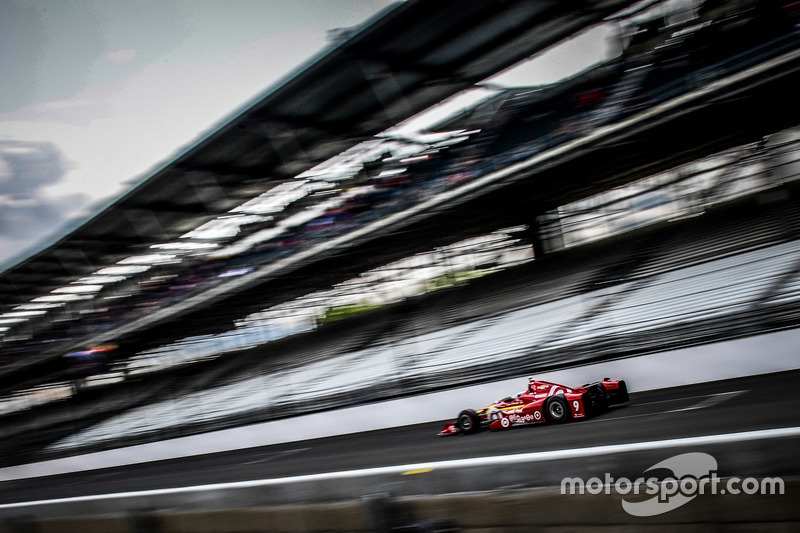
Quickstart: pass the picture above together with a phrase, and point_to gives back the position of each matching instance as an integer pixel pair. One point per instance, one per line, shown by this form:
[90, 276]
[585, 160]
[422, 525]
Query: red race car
[542, 402]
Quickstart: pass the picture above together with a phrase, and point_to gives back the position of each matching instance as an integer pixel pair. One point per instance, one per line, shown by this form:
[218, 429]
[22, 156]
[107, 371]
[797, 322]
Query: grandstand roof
[408, 58]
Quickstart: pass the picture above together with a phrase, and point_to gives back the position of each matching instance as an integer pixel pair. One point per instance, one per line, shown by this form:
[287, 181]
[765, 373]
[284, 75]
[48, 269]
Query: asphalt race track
[726, 410]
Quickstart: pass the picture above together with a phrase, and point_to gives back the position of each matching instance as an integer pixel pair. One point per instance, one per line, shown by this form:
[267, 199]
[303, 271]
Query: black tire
[556, 410]
[622, 392]
[599, 398]
[468, 421]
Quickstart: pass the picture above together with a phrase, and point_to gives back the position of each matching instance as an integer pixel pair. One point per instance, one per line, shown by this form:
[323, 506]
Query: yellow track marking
[412, 472]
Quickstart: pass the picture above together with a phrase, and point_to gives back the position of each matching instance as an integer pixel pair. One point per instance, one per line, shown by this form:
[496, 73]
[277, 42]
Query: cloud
[28, 166]
[27, 215]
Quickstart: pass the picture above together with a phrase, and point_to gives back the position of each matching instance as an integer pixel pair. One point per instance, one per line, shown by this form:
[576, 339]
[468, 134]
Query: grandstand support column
[545, 233]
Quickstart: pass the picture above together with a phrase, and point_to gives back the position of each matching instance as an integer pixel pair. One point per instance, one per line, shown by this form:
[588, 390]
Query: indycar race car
[542, 402]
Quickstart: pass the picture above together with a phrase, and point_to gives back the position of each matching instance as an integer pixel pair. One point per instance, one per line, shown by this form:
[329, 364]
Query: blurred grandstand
[647, 203]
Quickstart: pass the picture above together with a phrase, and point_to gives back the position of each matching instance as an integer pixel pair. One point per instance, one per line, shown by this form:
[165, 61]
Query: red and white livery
[543, 401]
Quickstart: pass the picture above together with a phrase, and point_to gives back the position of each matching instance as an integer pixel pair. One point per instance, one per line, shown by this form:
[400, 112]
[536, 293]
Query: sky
[97, 94]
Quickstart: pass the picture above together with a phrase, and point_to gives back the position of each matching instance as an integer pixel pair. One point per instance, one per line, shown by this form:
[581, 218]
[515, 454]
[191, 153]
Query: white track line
[433, 465]
[712, 399]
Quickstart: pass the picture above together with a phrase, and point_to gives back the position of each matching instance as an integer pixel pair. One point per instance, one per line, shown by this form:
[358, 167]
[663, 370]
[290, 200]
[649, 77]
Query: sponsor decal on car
[524, 419]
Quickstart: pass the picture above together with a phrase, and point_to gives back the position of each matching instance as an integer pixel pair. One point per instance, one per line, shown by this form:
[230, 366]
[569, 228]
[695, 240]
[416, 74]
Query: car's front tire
[556, 410]
[468, 421]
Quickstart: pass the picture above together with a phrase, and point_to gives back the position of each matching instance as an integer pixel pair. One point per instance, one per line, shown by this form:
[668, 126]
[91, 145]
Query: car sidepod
[525, 414]
[553, 409]
[577, 404]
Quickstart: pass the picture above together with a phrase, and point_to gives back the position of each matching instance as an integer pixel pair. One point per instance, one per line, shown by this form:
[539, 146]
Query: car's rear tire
[622, 392]
[468, 421]
[556, 410]
[599, 399]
